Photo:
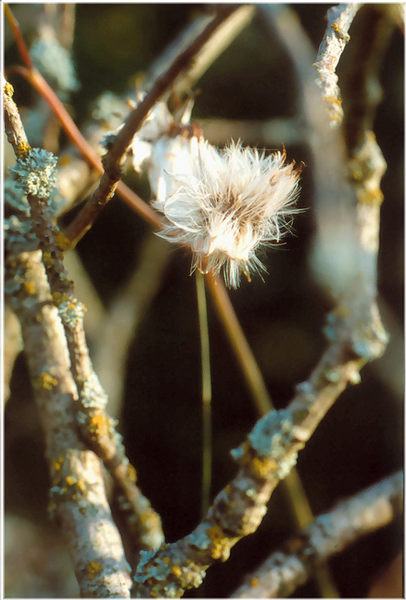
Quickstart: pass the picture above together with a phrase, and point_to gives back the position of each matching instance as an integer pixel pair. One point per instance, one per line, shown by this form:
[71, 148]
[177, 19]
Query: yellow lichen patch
[47, 258]
[262, 467]
[57, 463]
[132, 474]
[58, 297]
[8, 89]
[176, 570]
[254, 582]
[342, 311]
[165, 559]
[29, 287]
[81, 486]
[221, 545]
[93, 568]
[333, 100]
[46, 381]
[62, 241]
[70, 480]
[99, 424]
[371, 197]
[23, 150]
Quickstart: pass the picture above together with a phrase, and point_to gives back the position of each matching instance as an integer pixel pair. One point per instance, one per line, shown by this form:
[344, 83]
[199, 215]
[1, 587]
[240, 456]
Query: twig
[335, 39]
[226, 33]
[22, 48]
[329, 534]
[112, 161]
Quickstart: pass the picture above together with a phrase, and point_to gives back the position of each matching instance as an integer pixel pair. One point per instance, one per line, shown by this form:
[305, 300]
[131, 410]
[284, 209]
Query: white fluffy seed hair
[225, 204]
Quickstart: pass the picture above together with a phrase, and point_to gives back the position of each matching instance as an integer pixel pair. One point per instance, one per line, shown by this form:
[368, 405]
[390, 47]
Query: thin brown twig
[22, 48]
[112, 161]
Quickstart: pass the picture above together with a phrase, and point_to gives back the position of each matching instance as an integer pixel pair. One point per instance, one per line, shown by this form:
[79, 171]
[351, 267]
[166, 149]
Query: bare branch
[267, 133]
[119, 326]
[293, 564]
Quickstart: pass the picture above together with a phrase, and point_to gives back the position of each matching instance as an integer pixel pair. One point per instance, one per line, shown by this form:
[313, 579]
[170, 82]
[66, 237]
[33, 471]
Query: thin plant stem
[239, 343]
[206, 393]
[21, 45]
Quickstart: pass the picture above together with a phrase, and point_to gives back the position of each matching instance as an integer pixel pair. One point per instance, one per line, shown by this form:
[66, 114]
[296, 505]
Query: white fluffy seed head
[223, 204]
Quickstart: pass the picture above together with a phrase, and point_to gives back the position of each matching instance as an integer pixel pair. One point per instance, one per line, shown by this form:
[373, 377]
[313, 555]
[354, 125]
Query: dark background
[360, 440]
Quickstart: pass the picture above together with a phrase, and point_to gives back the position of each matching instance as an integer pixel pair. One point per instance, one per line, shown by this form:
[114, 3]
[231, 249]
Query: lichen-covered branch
[330, 533]
[339, 20]
[35, 173]
[267, 455]
[78, 497]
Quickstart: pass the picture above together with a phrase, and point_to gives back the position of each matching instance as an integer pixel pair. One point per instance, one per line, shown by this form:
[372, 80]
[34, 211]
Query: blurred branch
[362, 78]
[293, 564]
[225, 33]
[13, 345]
[67, 24]
[239, 344]
[117, 330]
[266, 133]
[339, 19]
[335, 248]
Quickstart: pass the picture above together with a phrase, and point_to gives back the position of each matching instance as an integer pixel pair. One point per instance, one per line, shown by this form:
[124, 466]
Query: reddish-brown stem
[22, 48]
